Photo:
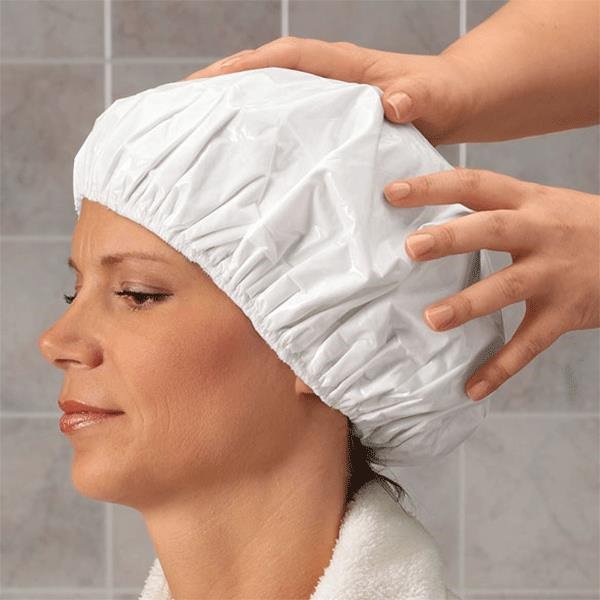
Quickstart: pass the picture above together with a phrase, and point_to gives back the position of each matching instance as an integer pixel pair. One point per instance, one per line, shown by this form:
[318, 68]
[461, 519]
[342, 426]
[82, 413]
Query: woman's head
[206, 400]
[277, 199]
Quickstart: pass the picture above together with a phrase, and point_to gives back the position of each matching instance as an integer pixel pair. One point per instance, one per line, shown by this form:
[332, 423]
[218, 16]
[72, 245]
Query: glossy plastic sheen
[272, 181]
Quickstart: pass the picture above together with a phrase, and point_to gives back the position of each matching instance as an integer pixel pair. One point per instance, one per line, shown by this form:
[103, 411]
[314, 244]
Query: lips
[72, 422]
[72, 406]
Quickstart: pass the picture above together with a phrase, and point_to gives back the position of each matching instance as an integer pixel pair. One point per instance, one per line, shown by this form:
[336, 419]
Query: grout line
[126, 60]
[462, 155]
[462, 28]
[108, 548]
[107, 54]
[462, 475]
[36, 238]
[1, 337]
[50, 593]
[534, 593]
[15, 414]
[589, 414]
[285, 18]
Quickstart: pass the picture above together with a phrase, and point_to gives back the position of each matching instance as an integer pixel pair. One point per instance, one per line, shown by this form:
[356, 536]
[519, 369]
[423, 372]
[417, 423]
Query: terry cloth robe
[382, 553]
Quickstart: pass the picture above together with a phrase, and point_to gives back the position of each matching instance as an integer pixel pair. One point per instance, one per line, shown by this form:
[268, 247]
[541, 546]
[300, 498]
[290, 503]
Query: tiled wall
[514, 509]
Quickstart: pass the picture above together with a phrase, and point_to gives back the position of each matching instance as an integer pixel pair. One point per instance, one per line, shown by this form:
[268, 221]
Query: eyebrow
[113, 259]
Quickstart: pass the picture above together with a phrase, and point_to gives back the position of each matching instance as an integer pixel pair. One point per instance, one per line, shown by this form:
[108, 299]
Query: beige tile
[131, 78]
[563, 378]
[409, 26]
[190, 28]
[532, 504]
[561, 159]
[133, 552]
[47, 112]
[34, 277]
[451, 152]
[51, 535]
[51, 28]
[480, 10]
[434, 493]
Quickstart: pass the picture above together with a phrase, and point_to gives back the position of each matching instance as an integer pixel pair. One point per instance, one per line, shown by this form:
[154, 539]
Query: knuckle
[464, 306]
[290, 43]
[346, 45]
[533, 346]
[498, 224]
[537, 189]
[565, 230]
[497, 373]
[511, 286]
[287, 39]
[446, 237]
[423, 184]
[469, 179]
[585, 313]
[421, 88]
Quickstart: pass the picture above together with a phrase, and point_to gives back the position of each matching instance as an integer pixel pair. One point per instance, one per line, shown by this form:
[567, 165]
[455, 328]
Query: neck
[270, 538]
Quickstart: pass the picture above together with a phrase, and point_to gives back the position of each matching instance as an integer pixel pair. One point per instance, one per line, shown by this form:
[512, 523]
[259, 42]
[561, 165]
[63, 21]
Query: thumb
[403, 102]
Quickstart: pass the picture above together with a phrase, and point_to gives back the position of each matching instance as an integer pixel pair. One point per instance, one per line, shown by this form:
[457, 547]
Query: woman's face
[205, 398]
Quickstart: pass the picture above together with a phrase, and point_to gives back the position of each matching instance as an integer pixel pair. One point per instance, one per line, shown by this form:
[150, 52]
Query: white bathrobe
[382, 553]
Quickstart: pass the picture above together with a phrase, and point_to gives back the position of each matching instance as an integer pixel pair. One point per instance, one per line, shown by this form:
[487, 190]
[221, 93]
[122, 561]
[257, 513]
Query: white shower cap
[272, 181]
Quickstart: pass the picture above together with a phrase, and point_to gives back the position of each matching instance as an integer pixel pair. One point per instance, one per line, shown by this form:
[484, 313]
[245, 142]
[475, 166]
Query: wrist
[464, 100]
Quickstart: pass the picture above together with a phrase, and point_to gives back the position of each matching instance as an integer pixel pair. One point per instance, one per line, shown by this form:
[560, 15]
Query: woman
[272, 315]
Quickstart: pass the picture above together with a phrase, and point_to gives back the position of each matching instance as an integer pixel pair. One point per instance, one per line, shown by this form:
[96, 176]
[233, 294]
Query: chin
[100, 478]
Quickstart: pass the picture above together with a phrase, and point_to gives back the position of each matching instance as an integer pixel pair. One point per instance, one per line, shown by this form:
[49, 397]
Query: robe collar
[382, 552]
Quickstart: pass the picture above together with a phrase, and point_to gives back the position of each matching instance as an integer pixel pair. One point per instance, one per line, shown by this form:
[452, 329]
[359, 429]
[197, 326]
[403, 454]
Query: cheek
[210, 389]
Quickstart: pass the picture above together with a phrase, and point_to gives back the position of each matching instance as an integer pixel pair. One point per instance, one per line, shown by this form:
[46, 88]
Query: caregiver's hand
[553, 235]
[434, 90]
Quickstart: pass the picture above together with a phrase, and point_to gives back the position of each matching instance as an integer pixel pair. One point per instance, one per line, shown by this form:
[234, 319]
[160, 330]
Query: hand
[553, 236]
[435, 88]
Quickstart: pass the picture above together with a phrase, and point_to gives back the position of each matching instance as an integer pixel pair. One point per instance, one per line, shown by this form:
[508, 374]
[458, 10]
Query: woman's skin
[533, 67]
[237, 468]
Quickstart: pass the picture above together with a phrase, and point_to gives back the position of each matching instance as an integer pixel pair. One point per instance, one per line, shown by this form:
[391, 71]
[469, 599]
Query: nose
[44, 345]
[62, 345]
[49, 347]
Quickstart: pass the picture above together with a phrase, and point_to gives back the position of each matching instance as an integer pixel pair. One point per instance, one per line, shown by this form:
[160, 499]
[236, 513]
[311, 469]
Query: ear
[302, 388]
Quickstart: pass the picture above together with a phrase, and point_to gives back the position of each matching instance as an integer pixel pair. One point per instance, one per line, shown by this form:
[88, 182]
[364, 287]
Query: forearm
[533, 67]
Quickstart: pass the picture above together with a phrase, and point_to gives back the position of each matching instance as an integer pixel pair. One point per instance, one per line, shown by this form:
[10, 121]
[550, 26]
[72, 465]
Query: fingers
[538, 330]
[399, 107]
[404, 101]
[339, 60]
[228, 60]
[478, 189]
[502, 230]
[509, 285]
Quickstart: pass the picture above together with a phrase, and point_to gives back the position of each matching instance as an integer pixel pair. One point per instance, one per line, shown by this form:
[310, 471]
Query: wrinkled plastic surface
[272, 181]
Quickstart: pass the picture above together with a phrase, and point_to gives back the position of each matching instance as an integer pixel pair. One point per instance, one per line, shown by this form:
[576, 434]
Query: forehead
[107, 238]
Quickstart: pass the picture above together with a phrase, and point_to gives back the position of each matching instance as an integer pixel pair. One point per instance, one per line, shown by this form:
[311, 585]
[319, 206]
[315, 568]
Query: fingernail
[401, 104]
[398, 190]
[479, 390]
[420, 243]
[440, 315]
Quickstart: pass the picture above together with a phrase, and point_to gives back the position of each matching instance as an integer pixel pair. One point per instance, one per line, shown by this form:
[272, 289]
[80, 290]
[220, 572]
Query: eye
[140, 298]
